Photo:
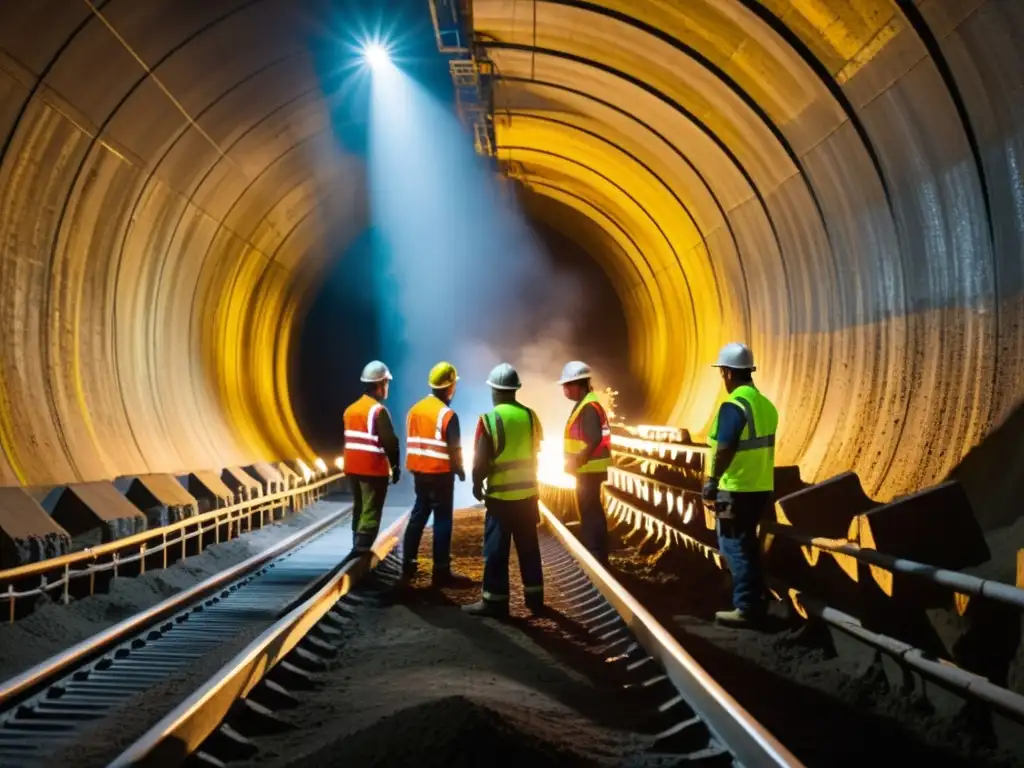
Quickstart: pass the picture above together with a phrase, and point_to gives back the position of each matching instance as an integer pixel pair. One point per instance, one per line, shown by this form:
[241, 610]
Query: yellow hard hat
[442, 375]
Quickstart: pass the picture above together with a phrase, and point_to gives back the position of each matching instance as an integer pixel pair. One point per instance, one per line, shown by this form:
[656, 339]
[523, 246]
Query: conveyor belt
[62, 706]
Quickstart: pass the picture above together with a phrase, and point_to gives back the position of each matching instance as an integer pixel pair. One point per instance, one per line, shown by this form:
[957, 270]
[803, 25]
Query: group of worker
[738, 486]
[504, 473]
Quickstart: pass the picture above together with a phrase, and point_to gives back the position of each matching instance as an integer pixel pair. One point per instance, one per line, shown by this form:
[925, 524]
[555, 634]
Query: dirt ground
[418, 682]
[53, 627]
[790, 678]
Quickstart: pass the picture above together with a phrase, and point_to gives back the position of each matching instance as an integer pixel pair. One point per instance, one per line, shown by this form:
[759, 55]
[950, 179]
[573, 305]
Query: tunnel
[834, 182]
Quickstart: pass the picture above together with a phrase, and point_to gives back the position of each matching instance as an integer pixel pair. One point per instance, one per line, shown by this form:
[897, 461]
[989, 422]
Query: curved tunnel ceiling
[169, 184]
[836, 182]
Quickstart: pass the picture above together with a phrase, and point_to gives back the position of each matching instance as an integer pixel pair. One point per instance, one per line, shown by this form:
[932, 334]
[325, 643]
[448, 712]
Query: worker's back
[515, 434]
[364, 454]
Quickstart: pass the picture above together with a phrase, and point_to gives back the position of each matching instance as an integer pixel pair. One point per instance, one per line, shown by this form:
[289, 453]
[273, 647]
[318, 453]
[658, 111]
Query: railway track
[51, 706]
[702, 724]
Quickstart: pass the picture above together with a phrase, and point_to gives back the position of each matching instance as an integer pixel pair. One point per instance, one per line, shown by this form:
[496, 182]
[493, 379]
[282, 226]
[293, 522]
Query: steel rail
[183, 730]
[748, 741]
[112, 547]
[17, 688]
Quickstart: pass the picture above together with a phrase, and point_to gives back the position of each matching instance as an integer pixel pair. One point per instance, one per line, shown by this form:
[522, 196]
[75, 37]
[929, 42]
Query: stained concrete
[95, 513]
[210, 490]
[27, 533]
[268, 476]
[241, 483]
[162, 499]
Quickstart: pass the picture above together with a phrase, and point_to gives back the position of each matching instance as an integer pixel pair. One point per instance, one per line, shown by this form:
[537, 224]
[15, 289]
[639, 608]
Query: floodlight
[376, 55]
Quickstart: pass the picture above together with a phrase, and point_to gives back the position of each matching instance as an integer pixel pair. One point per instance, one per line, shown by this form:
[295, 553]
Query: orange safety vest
[426, 445]
[601, 458]
[364, 454]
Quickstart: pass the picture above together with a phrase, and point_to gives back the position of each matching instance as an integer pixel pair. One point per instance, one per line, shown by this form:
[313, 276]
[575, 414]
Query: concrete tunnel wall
[836, 183]
[159, 232]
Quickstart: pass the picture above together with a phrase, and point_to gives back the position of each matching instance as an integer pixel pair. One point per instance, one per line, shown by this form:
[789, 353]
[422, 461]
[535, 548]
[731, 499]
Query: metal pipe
[954, 580]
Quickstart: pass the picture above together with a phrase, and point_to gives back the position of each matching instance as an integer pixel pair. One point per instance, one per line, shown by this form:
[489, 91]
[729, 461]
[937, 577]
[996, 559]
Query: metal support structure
[473, 72]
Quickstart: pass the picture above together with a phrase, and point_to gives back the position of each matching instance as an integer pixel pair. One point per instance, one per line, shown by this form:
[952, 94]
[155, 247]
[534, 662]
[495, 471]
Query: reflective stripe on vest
[574, 444]
[426, 437]
[364, 454]
[514, 438]
[753, 467]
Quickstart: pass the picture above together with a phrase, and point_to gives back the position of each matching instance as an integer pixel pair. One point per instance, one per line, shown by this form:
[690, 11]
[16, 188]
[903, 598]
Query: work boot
[737, 618]
[445, 577]
[536, 606]
[487, 608]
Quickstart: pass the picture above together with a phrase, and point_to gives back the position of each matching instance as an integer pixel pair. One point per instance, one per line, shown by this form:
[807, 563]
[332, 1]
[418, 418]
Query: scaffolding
[472, 72]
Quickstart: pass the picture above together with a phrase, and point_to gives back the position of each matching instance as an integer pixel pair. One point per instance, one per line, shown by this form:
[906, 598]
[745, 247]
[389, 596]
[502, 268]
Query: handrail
[183, 730]
[948, 675]
[11, 690]
[43, 566]
[959, 582]
[748, 741]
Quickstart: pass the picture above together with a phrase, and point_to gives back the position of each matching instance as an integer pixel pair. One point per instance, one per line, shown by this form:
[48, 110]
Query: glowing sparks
[689, 513]
[551, 465]
[340, 464]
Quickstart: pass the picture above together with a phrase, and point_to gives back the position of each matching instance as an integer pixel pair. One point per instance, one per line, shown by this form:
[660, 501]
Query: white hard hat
[375, 372]
[737, 356]
[575, 371]
[504, 377]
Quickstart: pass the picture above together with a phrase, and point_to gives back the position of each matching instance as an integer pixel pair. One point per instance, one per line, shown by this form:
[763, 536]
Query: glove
[478, 492]
[710, 492]
[396, 473]
[461, 474]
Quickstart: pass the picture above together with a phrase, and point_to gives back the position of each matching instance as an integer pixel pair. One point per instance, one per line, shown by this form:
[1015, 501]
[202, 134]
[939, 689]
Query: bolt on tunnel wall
[836, 183]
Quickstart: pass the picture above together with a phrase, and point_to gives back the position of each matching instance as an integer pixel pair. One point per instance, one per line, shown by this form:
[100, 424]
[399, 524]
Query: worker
[505, 458]
[433, 453]
[371, 455]
[741, 480]
[588, 454]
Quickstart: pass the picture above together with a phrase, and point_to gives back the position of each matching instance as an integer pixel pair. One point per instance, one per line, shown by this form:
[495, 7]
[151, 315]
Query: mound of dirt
[452, 732]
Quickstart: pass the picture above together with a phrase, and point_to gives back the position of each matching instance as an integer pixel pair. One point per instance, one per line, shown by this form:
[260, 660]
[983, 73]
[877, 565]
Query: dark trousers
[434, 496]
[739, 514]
[509, 521]
[593, 523]
[368, 494]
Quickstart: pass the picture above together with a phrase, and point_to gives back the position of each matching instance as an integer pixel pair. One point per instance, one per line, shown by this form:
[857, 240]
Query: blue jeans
[507, 521]
[737, 540]
[434, 496]
[593, 523]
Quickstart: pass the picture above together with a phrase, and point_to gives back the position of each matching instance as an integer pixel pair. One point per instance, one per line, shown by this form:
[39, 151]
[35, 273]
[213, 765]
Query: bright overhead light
[376, 55]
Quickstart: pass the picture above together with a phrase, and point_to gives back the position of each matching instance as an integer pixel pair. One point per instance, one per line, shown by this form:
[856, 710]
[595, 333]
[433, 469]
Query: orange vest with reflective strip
[363, 452]
[426, 448]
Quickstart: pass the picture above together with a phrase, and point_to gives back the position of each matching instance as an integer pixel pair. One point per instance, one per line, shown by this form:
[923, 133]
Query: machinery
[471, 70]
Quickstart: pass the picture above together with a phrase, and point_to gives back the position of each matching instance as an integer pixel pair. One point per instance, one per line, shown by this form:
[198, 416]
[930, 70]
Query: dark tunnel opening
[342, 332]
